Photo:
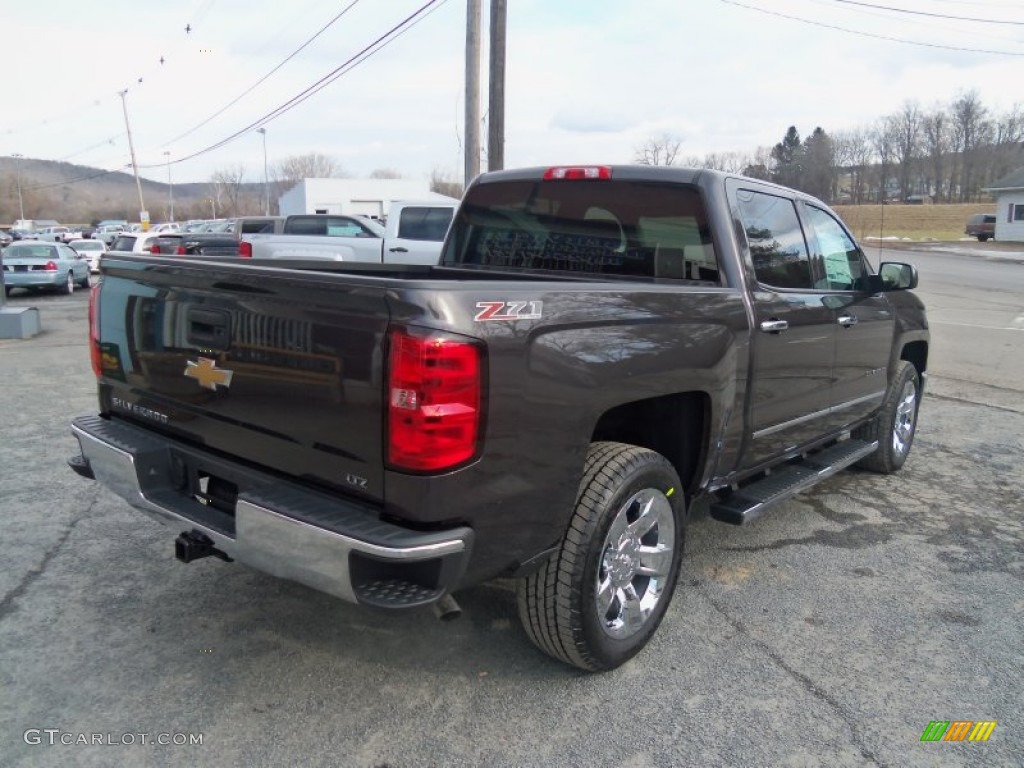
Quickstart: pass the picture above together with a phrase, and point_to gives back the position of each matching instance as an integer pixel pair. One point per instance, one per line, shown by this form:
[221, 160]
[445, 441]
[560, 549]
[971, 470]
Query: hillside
[79, 194]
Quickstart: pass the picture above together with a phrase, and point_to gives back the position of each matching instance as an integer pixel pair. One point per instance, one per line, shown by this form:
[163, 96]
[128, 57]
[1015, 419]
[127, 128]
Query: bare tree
[1008, 143]
[759, 164]
[851, 154]
[658, 150]
[226, 188]
[907, 127]
[385, 173]
[883, 141]
[971, 128]
[445, 183]
[936, 145]
[730, 162]
[311, 165]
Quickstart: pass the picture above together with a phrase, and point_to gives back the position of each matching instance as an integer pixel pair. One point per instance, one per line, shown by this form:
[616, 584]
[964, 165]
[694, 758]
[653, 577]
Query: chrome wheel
[906, 413]
[636, 560]
[70, 287]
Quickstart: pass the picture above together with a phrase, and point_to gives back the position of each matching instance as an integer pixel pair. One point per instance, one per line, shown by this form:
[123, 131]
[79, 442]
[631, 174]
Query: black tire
[85, 281]
[895, 424]
[69, 285]
[7, 290]
[601, 558]
[982, 238]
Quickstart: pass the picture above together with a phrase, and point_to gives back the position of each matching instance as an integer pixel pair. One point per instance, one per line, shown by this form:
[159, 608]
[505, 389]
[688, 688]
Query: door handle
[847, 320]
[774, 326]
[399, 249]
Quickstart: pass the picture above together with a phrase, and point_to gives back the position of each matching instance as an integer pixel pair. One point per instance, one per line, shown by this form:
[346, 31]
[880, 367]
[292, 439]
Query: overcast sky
[587, 80]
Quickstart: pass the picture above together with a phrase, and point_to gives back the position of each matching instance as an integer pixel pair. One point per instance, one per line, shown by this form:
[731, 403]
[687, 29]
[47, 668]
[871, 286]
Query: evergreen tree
[788, 156]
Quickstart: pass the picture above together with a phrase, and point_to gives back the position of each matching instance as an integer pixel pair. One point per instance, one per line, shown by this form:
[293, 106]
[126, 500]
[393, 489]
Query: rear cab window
[637, 229]
[424, 223]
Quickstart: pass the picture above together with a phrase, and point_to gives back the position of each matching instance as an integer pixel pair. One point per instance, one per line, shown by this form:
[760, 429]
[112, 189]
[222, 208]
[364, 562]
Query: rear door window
[776, 240]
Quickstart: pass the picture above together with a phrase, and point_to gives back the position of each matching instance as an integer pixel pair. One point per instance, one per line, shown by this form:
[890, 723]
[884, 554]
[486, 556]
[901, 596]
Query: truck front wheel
[895, 424]
[601, 596]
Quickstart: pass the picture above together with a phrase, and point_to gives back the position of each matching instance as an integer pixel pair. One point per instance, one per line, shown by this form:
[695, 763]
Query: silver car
[33, 264]
[92, 250]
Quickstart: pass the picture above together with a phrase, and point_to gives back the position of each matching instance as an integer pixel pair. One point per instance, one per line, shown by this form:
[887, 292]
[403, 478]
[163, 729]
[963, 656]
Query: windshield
[88, 245]
[30, 251]
[623, 228]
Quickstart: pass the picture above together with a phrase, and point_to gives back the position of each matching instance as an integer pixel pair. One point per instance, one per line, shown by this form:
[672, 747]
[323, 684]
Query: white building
[353, 197]
[1009, 194]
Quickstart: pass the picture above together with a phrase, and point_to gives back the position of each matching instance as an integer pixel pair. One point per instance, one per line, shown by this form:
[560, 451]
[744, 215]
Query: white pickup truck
[413, 235]
[59, 234]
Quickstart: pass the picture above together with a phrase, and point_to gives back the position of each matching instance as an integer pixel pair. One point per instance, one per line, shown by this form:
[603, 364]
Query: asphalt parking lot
[831, 632]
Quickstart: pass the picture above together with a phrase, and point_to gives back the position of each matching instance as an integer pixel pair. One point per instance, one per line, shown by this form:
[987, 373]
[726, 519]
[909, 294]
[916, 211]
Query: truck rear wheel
[895, 424]
[601, 596]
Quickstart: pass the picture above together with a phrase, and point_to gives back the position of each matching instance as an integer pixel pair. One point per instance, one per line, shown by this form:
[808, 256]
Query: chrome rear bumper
[331, 544]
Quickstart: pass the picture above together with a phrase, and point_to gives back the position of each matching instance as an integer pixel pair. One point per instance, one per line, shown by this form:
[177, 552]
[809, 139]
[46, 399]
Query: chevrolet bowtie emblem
[208, 374]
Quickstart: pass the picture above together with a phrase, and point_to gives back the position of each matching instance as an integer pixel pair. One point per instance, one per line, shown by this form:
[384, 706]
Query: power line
[76, 179]
[381, 42]
[61, 117]
[97, 145]
[926, 13]
[259, 82]
[870, 34]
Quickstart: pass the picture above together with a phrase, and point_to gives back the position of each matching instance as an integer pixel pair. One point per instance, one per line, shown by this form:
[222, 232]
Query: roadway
[830, 632]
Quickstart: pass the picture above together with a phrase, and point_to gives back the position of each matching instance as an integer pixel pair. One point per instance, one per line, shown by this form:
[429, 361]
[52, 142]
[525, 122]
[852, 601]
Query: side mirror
[896, 276]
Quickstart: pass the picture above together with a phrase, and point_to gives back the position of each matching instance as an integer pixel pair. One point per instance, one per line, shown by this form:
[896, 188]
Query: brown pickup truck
[981, 226]
[601, 352]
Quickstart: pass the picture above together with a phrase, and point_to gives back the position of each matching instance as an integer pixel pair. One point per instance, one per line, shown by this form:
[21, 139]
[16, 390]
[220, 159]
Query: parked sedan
[92, 250]
[34, 265]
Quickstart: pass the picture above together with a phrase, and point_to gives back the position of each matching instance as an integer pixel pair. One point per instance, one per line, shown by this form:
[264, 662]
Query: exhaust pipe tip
[446, 609]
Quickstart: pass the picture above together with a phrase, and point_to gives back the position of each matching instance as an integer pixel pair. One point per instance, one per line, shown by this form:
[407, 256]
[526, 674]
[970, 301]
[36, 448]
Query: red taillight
[51, 266]
[94, 330]
[154, 249]
[575, 172]
[180, 251]
[245, 250]
[434, 400]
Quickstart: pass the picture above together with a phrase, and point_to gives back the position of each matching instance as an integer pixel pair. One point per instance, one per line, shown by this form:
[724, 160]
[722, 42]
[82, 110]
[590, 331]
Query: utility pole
[21, 204]
[496, 89]
[143, 215]
[266, 185]
[170, 186]
[472, 91]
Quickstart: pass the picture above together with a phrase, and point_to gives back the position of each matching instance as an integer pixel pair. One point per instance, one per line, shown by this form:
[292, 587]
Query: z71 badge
[508, 310]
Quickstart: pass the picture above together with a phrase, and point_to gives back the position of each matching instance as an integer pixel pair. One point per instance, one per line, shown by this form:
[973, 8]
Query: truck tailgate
[283, 373]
